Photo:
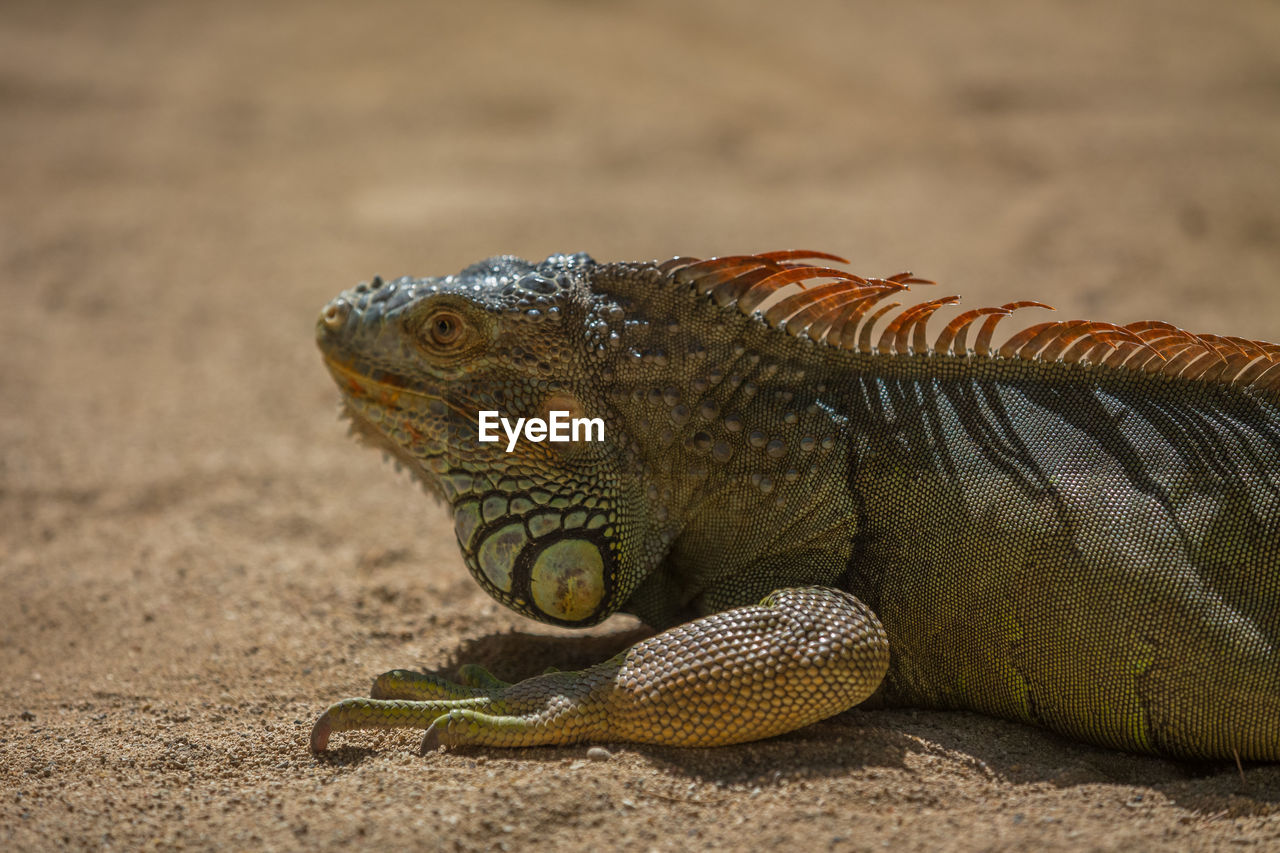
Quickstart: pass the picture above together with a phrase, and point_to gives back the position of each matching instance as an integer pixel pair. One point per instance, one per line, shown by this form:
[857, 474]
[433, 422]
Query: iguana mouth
[384, 392]
[383, 388]
[386, 387]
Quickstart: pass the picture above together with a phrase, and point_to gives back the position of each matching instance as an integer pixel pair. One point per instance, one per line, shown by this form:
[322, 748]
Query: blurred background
[184, 185]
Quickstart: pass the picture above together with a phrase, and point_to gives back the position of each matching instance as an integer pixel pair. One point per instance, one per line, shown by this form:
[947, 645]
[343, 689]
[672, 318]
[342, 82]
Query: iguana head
[541, 524]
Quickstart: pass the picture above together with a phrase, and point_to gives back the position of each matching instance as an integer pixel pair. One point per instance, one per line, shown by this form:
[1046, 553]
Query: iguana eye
[443, 330]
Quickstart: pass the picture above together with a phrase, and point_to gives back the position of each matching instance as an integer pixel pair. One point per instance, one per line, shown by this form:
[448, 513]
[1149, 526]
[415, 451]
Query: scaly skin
[1080, 530]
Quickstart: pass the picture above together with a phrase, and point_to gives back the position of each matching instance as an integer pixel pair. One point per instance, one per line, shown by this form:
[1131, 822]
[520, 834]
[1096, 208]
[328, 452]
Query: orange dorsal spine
[839, 309]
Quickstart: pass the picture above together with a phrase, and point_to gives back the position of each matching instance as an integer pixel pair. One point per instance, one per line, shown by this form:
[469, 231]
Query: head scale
[418, 360]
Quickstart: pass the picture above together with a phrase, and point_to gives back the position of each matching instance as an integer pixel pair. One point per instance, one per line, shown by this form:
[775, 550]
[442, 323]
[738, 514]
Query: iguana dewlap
[1079, 528]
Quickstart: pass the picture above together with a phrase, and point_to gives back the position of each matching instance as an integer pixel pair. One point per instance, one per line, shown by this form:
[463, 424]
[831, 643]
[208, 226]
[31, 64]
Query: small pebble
[599, 753]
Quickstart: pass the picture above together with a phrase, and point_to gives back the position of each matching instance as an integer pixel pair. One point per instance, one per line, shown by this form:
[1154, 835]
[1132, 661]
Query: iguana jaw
[360, 396]
[382, 389]
[369, 435]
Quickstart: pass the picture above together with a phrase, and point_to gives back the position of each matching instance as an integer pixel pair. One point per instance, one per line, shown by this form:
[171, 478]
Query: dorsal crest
[837, 308]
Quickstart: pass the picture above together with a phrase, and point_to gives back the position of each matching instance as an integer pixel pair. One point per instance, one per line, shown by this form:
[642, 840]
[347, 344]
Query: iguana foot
[739, 675]
[553, 708]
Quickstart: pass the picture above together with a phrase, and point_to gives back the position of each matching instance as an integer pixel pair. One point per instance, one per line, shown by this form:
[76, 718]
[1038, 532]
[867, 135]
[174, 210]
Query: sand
[196, 560]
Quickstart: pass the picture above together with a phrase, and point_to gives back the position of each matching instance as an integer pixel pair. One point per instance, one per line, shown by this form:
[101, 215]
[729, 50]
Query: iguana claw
[430, 740]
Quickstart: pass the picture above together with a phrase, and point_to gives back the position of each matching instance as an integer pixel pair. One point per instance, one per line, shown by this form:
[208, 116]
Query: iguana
[1078, 529]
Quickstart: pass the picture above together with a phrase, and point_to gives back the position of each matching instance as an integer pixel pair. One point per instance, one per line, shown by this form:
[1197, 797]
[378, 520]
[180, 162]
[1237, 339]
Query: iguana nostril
[335, 313]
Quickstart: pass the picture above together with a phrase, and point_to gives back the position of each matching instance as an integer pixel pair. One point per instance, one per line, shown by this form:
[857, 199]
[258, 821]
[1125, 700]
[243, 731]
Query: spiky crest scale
[842, 311]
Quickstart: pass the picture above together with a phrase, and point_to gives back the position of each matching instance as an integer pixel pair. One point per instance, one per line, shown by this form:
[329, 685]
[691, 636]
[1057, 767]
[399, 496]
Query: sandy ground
[195, 559]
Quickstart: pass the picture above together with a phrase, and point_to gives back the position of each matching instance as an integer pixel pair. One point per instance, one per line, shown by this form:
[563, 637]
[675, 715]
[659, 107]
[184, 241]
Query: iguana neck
[724, 421]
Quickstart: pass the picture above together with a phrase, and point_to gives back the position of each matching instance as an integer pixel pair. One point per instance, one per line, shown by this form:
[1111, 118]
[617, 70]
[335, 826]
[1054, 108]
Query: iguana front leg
[799, 656]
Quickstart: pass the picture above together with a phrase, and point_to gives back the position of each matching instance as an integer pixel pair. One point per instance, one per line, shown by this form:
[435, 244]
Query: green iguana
[1078, 529]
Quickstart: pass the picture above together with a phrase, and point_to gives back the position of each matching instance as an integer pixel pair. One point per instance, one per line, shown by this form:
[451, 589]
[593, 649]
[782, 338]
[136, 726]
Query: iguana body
[1080, 530]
